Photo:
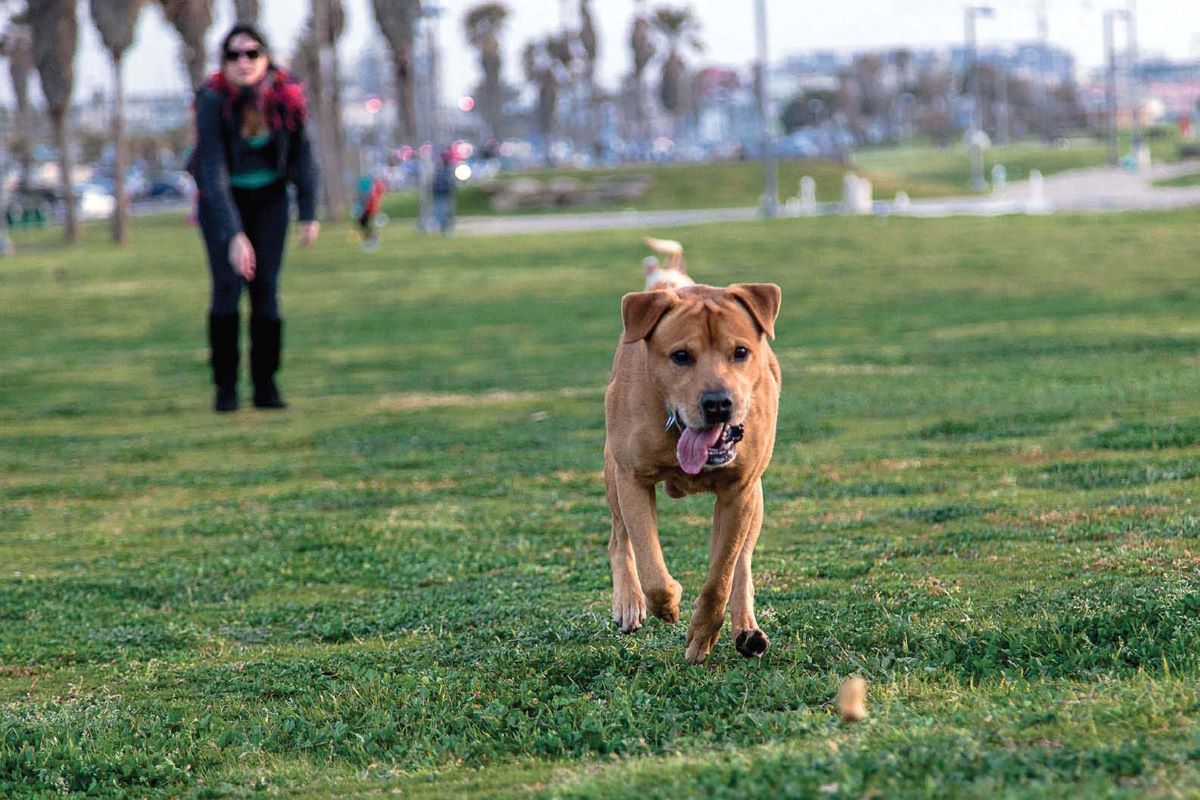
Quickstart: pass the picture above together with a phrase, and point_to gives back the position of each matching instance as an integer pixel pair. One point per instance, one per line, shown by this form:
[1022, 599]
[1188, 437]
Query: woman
[250, 143]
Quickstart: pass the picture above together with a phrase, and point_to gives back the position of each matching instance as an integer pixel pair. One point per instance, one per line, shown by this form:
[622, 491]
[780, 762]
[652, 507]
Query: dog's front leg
[733, 517]
[749, 640]
[641, 582]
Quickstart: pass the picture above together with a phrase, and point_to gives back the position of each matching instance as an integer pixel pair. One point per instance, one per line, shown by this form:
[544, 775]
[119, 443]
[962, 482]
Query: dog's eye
[741, 353]
[681, 357]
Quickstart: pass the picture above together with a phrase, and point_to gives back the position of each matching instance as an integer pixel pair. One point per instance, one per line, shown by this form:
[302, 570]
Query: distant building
[1168, 90]
[144, 114]
[1032, 61]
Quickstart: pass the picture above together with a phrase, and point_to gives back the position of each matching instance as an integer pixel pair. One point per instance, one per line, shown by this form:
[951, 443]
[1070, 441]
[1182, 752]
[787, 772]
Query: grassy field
[981, 501]
[1182, 180]
[921, 171]
[949, 167]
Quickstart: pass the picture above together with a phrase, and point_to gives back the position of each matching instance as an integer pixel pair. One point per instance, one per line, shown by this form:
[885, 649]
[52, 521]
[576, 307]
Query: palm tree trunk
[494, 103]
[246, 11]
[406, 99]
[120, 218]
[71, 227]
[331, 162]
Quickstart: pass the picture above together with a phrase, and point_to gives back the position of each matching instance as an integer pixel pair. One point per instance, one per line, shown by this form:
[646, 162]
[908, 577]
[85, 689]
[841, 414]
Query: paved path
[549, 223]
[1082, 191]
[1101, 189]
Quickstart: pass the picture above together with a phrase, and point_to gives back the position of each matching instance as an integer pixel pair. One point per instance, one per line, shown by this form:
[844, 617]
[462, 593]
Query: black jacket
[219, 150]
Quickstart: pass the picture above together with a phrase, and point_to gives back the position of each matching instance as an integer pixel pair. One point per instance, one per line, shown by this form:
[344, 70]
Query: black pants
[264, 215]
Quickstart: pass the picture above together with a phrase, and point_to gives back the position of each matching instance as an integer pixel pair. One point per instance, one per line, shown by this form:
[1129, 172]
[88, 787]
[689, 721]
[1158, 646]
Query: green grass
[728, 184]
[399, 586]
[950, 166]
[1183, 180]
[920, 170]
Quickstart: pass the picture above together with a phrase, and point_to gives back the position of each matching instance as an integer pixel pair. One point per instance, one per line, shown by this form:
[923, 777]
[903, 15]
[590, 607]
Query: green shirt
[256, 170]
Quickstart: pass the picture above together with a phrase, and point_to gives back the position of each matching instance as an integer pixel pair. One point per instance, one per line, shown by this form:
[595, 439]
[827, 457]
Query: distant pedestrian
[443, 193]
[370, 197]
[251, 142]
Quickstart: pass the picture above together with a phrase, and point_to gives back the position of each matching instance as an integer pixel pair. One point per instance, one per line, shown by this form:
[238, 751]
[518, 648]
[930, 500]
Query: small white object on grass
[852, 700]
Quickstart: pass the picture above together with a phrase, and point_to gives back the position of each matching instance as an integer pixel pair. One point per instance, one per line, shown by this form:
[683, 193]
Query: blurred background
[580, 98]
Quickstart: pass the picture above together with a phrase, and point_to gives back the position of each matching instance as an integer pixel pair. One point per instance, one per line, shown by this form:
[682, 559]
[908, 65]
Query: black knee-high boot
[266, 342]
[223, 355]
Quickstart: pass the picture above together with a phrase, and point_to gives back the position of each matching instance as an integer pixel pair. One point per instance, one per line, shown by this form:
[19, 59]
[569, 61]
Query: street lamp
[770, 202]
[973, 143]
[1135, 93]
[425, 41]
[1110, 83]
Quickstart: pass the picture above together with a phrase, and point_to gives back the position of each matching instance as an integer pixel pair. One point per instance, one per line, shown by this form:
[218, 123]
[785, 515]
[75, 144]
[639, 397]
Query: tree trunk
[406, 104]
[6, 245]
[120, 218]
[24, 125]
[331, 162]
[246, 11]
[71, 225]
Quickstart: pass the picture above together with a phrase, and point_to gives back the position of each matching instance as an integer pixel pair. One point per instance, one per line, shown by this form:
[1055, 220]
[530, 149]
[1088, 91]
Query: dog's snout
[717, 406]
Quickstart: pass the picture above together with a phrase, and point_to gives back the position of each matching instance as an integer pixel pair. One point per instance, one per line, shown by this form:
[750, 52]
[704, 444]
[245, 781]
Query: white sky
[1165, 27]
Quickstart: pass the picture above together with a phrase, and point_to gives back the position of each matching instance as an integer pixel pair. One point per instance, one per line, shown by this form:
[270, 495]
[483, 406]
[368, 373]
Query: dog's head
[706, 351]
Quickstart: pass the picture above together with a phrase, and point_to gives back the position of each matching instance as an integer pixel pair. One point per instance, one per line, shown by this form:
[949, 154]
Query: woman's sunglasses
[234, 55]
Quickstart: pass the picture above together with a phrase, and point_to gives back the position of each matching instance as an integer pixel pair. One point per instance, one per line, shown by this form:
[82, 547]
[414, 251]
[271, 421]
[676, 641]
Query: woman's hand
[241, 256]
[308, 232]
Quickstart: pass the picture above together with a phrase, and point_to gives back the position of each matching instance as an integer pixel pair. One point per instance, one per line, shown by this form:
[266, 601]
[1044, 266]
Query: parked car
[170, 185]
[94, 201]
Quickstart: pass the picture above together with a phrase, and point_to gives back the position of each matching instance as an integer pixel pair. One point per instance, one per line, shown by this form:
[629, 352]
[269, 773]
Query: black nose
[716, 406]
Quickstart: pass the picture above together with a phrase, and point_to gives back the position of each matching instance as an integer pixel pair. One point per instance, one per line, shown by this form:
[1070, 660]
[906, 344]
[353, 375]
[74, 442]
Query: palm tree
[590, 46]
[397, 19]
[191, 18]
[538, 60]
[680, 28]
[17, 47]
[116, 21]
[483, 25]
[246, 11]
[327, 22]
[642, 45]
[55, 32]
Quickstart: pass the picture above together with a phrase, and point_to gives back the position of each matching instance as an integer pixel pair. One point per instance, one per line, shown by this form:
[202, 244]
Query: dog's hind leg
[747, 638]
[645, 584]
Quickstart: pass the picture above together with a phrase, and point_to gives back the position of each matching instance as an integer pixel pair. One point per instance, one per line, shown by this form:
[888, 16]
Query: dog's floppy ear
[761, 300]
[641, 311]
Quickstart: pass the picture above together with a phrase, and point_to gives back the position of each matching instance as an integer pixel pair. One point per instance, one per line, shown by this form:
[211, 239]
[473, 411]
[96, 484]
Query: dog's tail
[671, 250]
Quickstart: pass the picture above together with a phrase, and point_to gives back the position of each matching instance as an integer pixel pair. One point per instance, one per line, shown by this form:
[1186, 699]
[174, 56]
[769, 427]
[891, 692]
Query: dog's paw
[751, 643]
[629, 610]
[664, 603]
[701, 638]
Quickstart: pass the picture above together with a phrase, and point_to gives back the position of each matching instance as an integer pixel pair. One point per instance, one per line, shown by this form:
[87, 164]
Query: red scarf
[279, 97]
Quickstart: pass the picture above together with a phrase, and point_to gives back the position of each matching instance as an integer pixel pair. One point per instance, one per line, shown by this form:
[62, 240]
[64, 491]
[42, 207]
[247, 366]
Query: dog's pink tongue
[693, 446]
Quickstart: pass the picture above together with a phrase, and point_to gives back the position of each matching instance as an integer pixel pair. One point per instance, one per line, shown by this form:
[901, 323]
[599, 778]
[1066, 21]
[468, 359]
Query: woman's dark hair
[247, 29]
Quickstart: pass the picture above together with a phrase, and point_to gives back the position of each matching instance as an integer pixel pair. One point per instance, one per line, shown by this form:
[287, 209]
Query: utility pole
[1043, 29]
[770, 201]
[1002, 119]
[1110, 47]
[427, 103]
[973, 144]
[1135, 81]
[1110, 89]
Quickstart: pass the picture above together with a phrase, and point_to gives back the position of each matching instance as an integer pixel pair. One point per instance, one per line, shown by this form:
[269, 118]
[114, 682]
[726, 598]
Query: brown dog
[691, 403]
[672, 272]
